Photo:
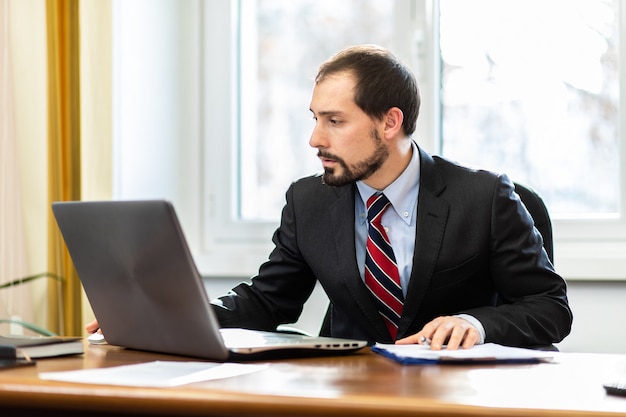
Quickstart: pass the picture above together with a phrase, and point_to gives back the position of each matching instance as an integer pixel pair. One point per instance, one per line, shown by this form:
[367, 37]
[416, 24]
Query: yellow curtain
[64, 173]
[15, 302]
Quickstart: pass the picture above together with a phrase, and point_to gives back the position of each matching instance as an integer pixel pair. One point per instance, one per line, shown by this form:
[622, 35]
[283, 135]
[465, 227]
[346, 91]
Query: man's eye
[334, 122]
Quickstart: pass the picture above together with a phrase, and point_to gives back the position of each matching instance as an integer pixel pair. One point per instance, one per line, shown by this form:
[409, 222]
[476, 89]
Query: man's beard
[359, 171]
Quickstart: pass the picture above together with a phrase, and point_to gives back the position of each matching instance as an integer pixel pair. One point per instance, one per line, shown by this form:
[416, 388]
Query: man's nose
[317, 139]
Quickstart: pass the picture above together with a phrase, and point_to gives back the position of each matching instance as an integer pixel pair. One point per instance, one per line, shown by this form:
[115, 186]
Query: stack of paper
[485, 353]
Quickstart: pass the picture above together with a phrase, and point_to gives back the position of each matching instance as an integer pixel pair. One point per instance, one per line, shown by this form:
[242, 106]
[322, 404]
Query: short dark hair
[382, 82]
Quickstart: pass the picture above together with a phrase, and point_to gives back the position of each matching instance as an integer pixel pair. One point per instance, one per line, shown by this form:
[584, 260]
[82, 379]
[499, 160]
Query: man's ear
[393, 122]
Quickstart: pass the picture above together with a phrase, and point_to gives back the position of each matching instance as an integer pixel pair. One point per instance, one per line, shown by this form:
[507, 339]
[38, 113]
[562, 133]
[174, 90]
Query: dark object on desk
[616, 387]
[15, 363]
[31, 347]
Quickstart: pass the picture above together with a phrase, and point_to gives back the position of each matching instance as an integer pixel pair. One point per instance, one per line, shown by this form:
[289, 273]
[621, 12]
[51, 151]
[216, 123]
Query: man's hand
[452, 331]
[92, 327]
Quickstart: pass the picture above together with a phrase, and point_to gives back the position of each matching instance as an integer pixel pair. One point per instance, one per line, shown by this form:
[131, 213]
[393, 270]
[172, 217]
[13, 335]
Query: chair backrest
[538, 211]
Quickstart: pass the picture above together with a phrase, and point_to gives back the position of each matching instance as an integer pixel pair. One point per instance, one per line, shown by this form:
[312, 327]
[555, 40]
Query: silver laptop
[146, 292]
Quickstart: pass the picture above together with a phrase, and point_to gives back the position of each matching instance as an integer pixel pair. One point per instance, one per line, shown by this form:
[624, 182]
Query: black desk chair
[538, 211]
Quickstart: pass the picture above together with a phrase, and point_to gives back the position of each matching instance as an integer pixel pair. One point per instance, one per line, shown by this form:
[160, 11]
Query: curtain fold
[64, 150]
[15, 302]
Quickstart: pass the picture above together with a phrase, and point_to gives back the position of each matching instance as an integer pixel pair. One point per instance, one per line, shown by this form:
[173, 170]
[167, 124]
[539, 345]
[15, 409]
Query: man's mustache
[328, 155]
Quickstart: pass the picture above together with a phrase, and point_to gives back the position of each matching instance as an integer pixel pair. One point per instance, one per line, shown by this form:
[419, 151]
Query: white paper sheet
[154, 374]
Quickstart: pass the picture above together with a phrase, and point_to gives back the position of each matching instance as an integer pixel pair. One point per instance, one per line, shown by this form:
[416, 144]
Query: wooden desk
[361, 385]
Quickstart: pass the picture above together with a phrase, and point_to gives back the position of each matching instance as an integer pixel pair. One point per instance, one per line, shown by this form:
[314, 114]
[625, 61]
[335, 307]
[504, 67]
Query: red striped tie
[381, 271]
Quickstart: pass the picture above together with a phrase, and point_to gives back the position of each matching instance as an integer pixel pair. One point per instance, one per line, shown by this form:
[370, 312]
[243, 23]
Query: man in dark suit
[461, 237]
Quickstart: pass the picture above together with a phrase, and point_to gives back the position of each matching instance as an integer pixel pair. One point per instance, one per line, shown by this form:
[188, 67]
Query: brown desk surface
[364, 384]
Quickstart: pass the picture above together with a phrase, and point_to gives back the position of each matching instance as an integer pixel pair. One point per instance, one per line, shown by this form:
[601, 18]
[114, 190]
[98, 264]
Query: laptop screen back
[139, 276]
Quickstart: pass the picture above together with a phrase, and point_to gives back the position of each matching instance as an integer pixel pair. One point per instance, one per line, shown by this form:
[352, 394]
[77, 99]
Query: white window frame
[175, 131]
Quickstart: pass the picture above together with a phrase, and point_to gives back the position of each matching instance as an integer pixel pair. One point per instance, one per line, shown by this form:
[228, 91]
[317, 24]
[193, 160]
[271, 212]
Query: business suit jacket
[474, 239]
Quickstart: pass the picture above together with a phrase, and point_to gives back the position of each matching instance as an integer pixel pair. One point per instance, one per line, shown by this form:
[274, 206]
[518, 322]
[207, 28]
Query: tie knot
[376, 205]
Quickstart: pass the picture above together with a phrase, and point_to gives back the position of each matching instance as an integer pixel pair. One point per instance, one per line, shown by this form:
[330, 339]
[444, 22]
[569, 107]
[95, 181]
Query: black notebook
[33, 347]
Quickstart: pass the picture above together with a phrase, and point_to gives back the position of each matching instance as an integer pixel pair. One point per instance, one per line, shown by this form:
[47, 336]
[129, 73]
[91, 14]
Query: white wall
[599, 310]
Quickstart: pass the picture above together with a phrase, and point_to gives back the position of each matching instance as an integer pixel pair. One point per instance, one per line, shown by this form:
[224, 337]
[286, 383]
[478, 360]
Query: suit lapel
[432, 215]
[342, 229]
[343, 232]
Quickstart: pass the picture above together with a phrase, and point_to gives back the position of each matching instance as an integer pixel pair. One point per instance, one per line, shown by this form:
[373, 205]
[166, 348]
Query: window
[536, 95]
[517, 96]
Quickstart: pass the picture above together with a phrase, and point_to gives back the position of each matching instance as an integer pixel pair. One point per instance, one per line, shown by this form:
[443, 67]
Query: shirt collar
[402, 193]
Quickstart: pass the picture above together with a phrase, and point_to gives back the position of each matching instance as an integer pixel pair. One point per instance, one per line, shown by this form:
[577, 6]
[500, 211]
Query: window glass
[282, 43]
[531, 88]
[528, 87]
